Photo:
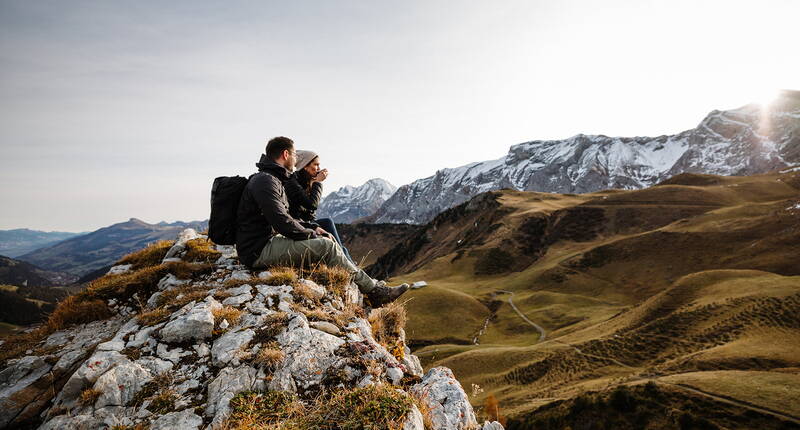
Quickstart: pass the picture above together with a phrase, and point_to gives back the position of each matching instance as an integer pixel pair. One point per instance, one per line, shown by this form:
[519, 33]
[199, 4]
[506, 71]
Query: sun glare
[764, 97]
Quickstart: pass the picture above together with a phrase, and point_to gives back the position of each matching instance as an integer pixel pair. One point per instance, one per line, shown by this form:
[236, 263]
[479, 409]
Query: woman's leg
[328, 225]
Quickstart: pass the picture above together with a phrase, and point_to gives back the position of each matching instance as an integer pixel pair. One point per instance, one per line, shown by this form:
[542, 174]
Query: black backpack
[225, 195]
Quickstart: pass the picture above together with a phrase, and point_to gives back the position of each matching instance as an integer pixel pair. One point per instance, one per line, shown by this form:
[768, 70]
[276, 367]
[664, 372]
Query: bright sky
[112, 109]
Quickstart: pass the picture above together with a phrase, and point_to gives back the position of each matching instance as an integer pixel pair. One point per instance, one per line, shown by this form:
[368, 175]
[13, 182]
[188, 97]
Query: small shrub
[74, 310]
[89, 396]
[622, 400]
[201, 250]
[149, 256]
[153, 317]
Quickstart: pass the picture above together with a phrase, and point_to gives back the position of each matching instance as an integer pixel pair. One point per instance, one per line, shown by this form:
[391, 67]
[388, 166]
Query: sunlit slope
[701, 273]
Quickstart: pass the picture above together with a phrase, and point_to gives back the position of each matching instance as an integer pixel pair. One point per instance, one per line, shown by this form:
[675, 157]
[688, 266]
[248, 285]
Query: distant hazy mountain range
[20, 273]
[742, 141]
[86, 253]
[14, 243]
[350, 203]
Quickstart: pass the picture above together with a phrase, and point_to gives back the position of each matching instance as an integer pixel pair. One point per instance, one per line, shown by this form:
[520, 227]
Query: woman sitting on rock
[304, 191]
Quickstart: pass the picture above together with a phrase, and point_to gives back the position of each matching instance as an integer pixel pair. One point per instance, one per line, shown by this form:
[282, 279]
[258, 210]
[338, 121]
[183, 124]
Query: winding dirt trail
[542, 333]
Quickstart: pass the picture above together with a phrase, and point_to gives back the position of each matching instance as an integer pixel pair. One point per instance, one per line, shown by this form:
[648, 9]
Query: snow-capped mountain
[749, 140]
[350, 203]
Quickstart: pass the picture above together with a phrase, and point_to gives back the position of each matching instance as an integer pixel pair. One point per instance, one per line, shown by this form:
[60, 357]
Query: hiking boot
[381, 294]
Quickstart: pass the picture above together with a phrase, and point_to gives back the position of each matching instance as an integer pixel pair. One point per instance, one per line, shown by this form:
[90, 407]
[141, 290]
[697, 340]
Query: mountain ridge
[748, 140]
[350, 203]
[92, 251]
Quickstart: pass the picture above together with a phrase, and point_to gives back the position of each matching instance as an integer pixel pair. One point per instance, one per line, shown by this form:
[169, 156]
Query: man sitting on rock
[268, 236]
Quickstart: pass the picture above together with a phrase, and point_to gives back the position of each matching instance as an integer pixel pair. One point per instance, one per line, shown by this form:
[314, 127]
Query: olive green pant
[281, 251]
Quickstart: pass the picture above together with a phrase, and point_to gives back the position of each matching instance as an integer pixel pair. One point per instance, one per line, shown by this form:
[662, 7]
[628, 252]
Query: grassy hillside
[679, 284]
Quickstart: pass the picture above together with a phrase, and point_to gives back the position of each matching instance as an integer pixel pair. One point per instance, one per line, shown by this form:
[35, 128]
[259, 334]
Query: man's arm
[266, 190]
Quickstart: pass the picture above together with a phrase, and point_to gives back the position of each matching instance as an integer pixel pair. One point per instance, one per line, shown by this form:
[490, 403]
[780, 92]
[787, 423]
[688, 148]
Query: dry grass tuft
[73, 310]
[350, 312]
[144, 281]
[371, 407]
[272, 327]
[335, 279]
[302, 291]
[149, 256]
[387, 322]
[180, 296]
[201, 250]
[89, 396]
[270, 356]
[163, 402]
[224, 313]
[153, 317]
[233, 283]
[281, 276]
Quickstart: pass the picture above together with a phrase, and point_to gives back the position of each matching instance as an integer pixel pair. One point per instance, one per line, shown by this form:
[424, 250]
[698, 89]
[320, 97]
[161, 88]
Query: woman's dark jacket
[303, 199]
[264, 211]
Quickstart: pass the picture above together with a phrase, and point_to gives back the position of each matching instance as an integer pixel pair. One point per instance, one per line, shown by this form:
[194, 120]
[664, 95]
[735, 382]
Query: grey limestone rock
[447, 401]
[309, 353]
[120, 384]
[183, 420]
[414, 420]
[229, 382]
[196, 324]
[228, 346]
[325, 326]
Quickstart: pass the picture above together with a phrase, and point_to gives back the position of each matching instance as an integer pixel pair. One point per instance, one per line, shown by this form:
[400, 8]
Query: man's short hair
[277, 145]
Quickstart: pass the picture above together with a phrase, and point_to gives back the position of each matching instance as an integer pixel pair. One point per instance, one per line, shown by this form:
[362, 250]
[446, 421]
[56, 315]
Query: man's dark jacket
[264, 212]
[303, 196]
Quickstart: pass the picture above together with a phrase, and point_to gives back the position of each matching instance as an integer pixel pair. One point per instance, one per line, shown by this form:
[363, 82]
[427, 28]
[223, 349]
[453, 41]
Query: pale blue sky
[111, 110]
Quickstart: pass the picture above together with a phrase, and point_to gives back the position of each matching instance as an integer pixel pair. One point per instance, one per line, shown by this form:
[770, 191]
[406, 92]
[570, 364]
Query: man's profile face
[291, 159]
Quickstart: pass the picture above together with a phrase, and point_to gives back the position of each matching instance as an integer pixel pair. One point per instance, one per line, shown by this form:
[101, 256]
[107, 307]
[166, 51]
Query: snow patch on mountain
[748, 140]
[350, 203]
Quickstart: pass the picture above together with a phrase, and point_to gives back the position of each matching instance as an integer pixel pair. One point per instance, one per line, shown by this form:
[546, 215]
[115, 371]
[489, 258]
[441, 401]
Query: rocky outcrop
[180, 364]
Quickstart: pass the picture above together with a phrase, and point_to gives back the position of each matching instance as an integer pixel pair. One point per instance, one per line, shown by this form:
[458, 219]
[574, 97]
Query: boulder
[309, 353]
[448, 403]
[87, 374]
[77, 422]
[120, 384]
[196, 324]
[229, 345]
[229, 382]
[180, 244]
[414, 420]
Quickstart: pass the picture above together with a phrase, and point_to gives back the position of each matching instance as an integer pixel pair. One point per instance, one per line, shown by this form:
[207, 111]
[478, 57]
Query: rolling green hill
[540, 298]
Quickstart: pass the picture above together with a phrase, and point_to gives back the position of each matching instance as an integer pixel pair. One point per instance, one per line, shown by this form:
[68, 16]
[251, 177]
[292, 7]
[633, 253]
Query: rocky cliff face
[350, 203]
[744, 141]
[217, 346]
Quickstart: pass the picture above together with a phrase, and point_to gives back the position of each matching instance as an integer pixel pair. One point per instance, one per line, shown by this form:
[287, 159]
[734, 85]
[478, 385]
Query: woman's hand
[321, 175]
